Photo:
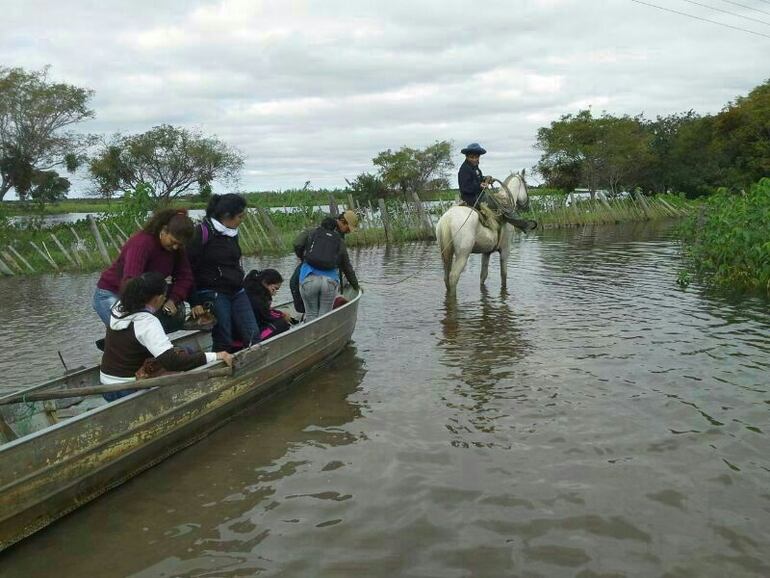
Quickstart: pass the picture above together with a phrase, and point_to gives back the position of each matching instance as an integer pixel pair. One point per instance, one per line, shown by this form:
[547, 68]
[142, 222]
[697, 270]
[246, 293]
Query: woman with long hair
[215, 258]
[261, 287]
[135, 334]
[158, 247]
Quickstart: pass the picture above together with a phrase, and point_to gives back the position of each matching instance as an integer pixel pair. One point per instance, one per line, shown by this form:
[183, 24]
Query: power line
[730, 13]
[703, 19]
[748, 7]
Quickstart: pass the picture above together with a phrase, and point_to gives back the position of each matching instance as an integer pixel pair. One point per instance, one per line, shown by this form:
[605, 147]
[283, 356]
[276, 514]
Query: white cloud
[314, 90]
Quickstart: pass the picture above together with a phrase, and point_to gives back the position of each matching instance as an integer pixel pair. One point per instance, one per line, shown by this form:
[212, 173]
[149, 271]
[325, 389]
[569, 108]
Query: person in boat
[323, 254]
[158, 247]
[473, 185]
[215, 258]
[261, 287]
[135, 335]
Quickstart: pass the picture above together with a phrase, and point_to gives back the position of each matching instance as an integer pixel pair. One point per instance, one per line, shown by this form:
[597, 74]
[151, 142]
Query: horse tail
[444, 237]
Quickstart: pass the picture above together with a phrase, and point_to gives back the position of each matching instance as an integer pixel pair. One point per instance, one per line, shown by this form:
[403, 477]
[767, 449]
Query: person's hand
[197, 311]
[169, 307]
[226, 357]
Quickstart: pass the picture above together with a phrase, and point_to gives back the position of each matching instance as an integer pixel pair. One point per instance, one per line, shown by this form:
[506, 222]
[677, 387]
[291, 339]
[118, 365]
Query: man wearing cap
[472, 184]
[318, 285]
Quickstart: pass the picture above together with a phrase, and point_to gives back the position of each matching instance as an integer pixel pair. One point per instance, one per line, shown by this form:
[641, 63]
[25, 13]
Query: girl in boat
[158, 247]
[215, 258]
[261, 287]
[135, 335]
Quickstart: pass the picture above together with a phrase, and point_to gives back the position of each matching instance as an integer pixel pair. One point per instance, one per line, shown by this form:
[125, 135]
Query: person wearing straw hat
[472, 189]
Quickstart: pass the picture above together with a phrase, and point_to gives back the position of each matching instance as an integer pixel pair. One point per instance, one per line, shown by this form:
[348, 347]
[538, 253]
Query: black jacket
[469, 178]
[216, 264]
[260, 298]
[343, 259]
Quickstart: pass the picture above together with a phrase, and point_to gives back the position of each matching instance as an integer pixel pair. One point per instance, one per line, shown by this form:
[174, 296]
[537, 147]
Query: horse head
[514, 191]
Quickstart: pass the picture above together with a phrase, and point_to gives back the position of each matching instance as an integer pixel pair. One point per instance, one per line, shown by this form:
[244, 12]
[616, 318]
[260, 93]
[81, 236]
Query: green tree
[368, 187]
[410, 170]
[34, 113]
[171, 160]
[742, 138]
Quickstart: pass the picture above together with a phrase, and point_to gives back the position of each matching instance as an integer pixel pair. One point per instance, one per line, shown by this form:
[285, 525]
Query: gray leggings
[318, 293]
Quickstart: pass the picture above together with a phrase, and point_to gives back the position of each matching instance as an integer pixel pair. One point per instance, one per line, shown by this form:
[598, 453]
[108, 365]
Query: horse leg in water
[505, 250]
[484, 266]
[460, 260]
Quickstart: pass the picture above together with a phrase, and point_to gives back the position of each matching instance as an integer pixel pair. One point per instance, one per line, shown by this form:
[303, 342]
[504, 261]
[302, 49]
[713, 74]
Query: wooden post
[22, 259]
[44, 256]
[427, 224]
[274, 231]
[122, 232]
[333, 210]
[261, 230]
[110, 237]
[8, 257]
[99, 242]
[385, 219]
[79, 246]
[63, 250]
[351, 202]
[5, 269]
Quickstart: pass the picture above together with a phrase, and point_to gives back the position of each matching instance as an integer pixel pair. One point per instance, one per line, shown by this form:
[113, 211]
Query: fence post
[22, 259]
[5, 269]
[333, 210]
[63, 250]
[44, 256]
[8, 257]
[99, 241]
[385, 218]
[427, 224]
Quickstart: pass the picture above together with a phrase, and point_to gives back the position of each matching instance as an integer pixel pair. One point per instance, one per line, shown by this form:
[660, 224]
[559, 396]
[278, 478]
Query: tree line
[683, 152]
[38, 148]
[37, 144]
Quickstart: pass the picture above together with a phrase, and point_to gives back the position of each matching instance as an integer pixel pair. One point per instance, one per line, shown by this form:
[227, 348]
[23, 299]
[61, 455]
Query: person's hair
[269, 277]
[227, 206]
[139, 290]
[176, 222]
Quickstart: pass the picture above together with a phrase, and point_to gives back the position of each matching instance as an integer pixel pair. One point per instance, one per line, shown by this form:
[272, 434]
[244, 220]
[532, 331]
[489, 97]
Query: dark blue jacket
[469, 178]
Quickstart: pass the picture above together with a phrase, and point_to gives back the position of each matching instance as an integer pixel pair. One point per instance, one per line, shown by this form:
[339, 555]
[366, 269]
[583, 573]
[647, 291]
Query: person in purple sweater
[159, 247]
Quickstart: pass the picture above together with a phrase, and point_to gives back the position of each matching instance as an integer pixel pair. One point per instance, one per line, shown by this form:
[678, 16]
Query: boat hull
[45, 475]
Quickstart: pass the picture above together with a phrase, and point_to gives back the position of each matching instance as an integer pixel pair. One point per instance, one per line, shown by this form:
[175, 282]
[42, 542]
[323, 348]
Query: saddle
[488, 218]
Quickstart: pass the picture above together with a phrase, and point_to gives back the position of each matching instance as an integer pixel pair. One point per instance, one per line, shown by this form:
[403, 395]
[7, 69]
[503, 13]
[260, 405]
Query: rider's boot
[523, 224]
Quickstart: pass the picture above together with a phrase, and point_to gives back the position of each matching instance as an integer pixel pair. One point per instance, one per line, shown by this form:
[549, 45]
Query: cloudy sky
[314, 90]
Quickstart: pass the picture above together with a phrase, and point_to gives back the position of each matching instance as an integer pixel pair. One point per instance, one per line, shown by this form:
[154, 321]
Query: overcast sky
[314, 90]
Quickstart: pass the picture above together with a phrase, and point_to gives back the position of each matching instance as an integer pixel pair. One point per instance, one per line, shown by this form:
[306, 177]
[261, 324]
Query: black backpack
[323, 249]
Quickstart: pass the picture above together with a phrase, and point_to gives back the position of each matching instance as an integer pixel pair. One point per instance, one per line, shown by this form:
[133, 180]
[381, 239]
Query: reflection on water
[596, 420]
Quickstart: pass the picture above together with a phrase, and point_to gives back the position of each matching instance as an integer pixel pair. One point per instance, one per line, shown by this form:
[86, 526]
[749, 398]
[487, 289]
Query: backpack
[323, 249]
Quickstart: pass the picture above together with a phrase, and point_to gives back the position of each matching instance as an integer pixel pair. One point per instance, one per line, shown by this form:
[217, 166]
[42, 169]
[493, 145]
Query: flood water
[596, 420]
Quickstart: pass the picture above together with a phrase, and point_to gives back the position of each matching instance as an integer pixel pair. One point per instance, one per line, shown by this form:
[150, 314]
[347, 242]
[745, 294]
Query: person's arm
[347, 268]
[299, 244]
[183, 279]
[149, 332]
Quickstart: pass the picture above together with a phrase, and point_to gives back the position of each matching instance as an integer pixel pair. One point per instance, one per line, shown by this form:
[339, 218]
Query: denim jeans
[233, 312]
[318, 293]
[103, 302]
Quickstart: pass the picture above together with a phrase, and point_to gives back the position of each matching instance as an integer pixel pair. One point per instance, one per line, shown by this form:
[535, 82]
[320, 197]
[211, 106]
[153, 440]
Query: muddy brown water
[595, 420]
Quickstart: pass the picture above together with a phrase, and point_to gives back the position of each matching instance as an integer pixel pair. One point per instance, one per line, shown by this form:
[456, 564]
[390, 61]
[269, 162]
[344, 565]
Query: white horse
[460, 233]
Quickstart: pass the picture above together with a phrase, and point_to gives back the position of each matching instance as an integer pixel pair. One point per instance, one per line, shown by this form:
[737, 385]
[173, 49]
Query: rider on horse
[473, 187]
